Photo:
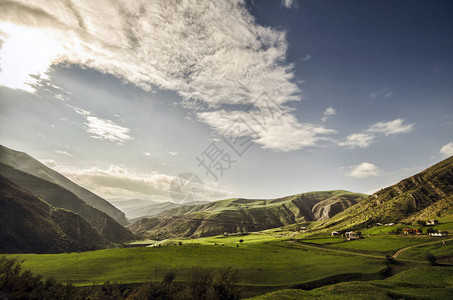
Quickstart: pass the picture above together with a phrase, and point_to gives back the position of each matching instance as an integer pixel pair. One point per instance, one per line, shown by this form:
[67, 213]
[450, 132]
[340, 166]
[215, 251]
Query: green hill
[59, 197]
[29, 224]
[244, 215]
[424, 195]
[28, 164]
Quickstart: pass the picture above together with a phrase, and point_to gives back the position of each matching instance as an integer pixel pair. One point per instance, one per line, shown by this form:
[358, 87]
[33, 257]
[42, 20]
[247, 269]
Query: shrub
[431, 259]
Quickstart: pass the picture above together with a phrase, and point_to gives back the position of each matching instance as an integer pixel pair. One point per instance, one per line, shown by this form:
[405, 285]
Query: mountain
[28, 164]
[424, 195]
[243, 215]
[136, 208]
[59, 197]
[29, 224]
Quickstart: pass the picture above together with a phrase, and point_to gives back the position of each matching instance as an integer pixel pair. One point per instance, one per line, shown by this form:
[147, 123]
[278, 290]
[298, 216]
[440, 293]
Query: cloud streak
[364, 170]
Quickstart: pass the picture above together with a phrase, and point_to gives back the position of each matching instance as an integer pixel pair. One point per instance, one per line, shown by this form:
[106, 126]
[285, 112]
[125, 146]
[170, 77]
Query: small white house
[438, 234]
[335, 233]
[351, 235]
[303, 228]
[379, 224]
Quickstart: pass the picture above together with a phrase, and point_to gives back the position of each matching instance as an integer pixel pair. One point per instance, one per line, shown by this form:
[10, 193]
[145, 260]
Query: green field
[260, 262]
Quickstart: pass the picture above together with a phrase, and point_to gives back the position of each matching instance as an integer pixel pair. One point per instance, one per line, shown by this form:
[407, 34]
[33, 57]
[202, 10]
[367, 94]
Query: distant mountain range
[42, 211]
[137, 208]
[244, 215]
[425, 195]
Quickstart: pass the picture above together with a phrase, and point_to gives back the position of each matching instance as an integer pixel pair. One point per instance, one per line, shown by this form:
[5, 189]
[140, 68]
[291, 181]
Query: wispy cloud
[64, 153]
[330, 111]
[446, 150]
[388, 95]
[103, 128]
[173, 153]
[357, 140]
[289, 3]
[396, 126]
[283, 132]
[213, 53]
[306, 58]
[363, 170]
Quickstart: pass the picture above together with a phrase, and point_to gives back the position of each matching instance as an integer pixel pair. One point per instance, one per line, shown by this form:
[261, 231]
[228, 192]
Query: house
[335, 233]
[390, 224]
[412, 231]
[351, 235]
[437, 234]
[303, 228]
[379, 224]
[226, 234]
[432, 222]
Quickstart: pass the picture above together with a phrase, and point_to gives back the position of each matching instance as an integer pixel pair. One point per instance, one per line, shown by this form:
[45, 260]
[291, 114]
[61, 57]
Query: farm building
[303, 228]
[351, 235]
[432, 222]
[412, 231]
[335, 233]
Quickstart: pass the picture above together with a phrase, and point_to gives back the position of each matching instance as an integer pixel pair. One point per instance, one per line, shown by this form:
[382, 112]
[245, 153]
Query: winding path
[397, 253]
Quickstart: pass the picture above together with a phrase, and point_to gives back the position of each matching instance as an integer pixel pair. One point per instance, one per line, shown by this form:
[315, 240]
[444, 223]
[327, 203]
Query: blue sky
[121, 98]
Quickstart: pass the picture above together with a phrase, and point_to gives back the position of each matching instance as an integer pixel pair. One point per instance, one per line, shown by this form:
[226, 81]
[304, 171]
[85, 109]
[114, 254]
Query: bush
[431, 259]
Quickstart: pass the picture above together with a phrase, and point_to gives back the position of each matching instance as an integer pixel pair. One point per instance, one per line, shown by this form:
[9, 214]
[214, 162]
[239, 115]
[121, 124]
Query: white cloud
[147, 154]
[374, 94]
[330, 111]
[102, 128]
[107, 130]
[358, 140]
[392, 127]
[388, 95]
[364, 170]
[447, 150]
[119, 181]
[64, 153]
[173, 153]
[208, 52]
[289, 3]
[281, 132]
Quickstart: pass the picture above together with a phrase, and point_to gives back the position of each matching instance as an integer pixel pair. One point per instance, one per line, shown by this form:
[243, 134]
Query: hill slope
[28, 164]
[59, 197]
[29, 224]
[244, 215]
[420, 196]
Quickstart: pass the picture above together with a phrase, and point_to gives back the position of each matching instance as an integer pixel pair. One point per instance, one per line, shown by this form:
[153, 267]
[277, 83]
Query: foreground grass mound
[417, 283]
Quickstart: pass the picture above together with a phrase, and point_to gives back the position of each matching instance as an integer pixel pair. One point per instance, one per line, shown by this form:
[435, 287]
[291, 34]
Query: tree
[241, 241]
[421, 222]
[431, 258]
[169, 277]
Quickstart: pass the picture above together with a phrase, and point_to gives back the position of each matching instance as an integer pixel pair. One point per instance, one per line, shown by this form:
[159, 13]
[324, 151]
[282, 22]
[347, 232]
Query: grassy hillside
[59, 197]
[245, 215]
[29, 224]
[423, 195]
[28, 164]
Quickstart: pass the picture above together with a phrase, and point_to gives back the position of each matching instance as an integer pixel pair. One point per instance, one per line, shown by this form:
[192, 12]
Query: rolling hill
[244, 215]
[59, 197]
[424, 195]
[28, 164]
[29, 224]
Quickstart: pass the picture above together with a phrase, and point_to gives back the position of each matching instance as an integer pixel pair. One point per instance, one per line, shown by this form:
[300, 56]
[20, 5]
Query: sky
[258, 99]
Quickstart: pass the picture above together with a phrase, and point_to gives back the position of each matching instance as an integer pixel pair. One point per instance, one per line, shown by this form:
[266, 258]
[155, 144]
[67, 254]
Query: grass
[261, 262]
[438, 249]
[381, 244]
[417, 283]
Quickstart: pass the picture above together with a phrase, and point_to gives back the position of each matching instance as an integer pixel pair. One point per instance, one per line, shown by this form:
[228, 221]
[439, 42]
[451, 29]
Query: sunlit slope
[424, 195]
